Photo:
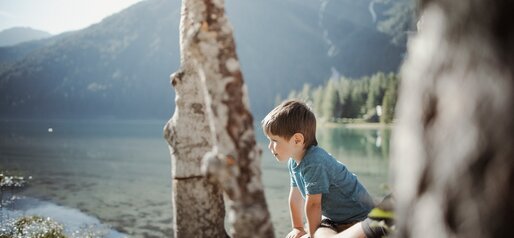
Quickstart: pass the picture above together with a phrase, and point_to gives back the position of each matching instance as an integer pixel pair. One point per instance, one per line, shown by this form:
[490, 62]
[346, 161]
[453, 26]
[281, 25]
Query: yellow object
[380, 214]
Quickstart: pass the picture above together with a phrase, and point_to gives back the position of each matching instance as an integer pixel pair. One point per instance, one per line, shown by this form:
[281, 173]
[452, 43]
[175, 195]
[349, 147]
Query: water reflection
[117, 171]
[120, 171]
[364, 151]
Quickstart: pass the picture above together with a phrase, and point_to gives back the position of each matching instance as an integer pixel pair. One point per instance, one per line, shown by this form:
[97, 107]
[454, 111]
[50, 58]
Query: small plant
[34, 227]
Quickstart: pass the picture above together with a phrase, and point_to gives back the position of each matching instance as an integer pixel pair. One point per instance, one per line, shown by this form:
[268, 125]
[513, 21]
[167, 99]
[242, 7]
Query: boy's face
[281, 148]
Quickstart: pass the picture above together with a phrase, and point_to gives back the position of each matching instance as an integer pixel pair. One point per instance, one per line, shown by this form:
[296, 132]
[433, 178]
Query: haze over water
[119, 171]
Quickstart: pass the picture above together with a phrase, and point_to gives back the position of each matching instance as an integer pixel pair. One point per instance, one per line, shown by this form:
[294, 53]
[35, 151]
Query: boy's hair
[290, 117]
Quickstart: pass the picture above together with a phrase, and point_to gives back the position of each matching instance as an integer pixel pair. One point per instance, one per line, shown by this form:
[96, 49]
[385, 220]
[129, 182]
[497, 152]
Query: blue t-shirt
[344, 199]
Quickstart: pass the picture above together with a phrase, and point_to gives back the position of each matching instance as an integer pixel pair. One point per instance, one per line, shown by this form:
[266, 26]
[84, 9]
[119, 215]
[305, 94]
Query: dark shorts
[337, 227]
[373, 228]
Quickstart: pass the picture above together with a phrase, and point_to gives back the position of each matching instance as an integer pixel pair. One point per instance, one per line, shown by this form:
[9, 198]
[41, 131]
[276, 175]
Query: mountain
[120, 67]
[12, 54]
[18, 35]
[116, 68]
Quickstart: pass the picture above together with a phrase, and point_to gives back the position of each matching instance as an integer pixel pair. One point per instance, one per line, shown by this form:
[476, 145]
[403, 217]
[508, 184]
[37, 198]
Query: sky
[57, 16]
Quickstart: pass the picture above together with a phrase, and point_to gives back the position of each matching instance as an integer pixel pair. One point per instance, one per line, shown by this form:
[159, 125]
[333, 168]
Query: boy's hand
[296, 233]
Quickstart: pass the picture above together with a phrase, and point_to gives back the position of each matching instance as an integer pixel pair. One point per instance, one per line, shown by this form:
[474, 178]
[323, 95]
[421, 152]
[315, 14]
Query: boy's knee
[324, 232]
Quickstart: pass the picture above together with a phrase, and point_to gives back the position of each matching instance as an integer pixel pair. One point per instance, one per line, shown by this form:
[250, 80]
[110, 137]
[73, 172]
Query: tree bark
[234, 161]
[217, 103]
[453, 145]
[198, 208]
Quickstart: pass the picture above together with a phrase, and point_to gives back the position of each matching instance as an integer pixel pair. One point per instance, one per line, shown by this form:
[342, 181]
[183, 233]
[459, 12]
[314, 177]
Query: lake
[119, 171]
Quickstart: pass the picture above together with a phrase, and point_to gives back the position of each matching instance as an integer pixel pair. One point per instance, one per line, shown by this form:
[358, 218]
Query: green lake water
[119, 171]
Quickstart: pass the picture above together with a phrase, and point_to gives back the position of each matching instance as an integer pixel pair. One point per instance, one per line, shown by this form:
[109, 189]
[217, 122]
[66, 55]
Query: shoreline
[73, 220]
[357, 125]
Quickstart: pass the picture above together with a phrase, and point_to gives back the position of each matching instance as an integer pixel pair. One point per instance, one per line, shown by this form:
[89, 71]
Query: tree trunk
[234, 161]
[211, 94]
[198, 208]
[453, 146]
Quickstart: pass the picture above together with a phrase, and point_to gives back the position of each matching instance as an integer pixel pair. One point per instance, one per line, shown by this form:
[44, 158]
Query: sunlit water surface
[119, 171]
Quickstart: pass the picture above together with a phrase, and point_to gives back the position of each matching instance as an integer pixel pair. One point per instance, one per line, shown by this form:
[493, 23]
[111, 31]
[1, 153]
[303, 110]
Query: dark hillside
[119, 67]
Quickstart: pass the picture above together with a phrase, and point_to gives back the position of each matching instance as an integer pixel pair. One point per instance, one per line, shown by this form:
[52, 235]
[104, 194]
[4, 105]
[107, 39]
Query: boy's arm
[295, 208]
[313, 212]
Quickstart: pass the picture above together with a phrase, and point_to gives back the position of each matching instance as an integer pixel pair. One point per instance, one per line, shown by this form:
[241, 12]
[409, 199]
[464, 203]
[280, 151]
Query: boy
[328, 188]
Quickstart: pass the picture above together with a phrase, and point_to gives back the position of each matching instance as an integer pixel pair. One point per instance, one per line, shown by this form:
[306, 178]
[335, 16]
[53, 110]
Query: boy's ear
[298, 138]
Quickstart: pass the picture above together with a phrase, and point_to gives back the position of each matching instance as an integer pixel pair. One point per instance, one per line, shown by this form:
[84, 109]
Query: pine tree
[389, 101]
[317, 98]
[331, 105]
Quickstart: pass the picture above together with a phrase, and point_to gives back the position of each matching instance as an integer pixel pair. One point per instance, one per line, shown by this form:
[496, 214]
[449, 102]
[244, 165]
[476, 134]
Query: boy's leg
[355, 231]
[326, 229]
[324, 232]
[378, 224]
